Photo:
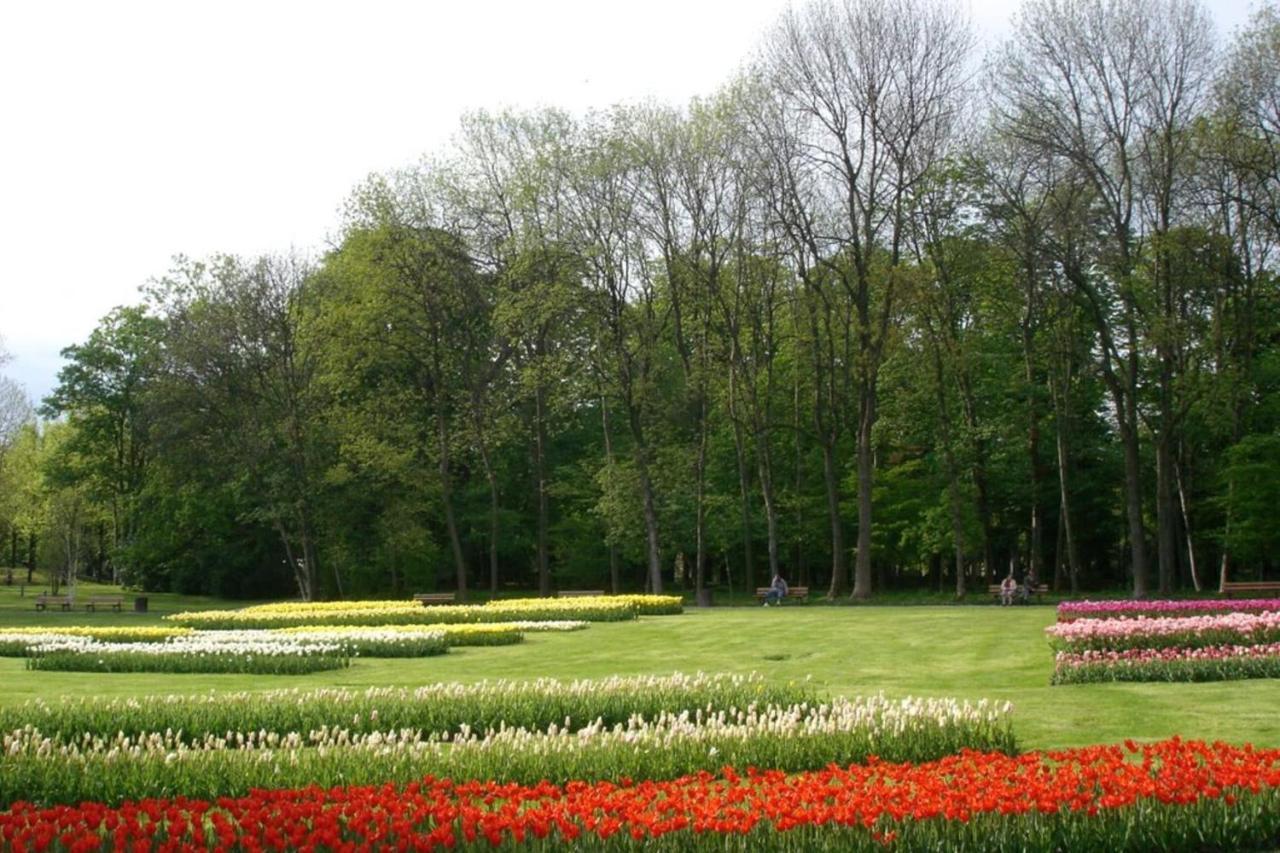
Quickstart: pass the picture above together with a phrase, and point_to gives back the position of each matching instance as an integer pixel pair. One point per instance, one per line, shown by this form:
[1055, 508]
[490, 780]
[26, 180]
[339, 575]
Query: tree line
[880, 313]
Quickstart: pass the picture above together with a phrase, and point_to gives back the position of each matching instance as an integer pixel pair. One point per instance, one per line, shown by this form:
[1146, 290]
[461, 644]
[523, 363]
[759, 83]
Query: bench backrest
[792, 591]
[435, 597]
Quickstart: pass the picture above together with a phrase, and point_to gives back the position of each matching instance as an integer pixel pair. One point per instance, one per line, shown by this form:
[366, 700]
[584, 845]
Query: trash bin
[704, 598]
[140, 604]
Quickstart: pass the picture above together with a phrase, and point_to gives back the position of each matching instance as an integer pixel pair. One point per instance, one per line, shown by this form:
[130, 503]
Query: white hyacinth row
[875, 717]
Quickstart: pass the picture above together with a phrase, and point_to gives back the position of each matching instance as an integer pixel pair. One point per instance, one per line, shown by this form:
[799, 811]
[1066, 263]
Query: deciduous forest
[884, 312]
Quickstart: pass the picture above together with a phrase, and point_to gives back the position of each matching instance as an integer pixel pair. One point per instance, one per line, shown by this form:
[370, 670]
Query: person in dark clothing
[777, 591]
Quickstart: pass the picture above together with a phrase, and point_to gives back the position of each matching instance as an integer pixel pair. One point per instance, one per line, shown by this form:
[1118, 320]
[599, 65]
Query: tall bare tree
[604, 187]
[1112, 87]
[865, 98]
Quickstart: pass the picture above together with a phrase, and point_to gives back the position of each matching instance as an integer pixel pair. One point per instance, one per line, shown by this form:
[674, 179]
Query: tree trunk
[764, 463]
[744, 490]
[700, 558]
[969, 405]
[641, 456]
[1166, 523]
[953, 472]
[862, 560]
[650, 525]
[798, 484]
[614, 579]
[1061, 414]
[299, 577]
[544, 512]
[1033, 452]
[446, 497]
[1128, 417]
[311, 558]
[1186, 526]
[1224, 567]
[492, 478]
[1133, 506]
[831, 479]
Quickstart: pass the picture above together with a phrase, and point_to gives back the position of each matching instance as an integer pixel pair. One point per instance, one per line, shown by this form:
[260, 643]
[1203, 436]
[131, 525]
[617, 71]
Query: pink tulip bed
[1069, 611]
[1176, 646]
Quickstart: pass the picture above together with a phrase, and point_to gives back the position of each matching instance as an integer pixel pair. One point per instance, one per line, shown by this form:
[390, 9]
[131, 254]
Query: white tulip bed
[277, 652]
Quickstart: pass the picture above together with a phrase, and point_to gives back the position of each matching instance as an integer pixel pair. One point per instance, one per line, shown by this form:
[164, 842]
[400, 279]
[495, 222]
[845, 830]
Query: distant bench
[579, 593]
[425, 598]
[792, 591]
[1230, 588]
[1038, 590]
[44, 602]
[96, 601]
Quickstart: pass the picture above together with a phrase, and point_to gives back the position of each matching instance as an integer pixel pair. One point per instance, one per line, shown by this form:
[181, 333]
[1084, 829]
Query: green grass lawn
[18, 604]
[970, 652]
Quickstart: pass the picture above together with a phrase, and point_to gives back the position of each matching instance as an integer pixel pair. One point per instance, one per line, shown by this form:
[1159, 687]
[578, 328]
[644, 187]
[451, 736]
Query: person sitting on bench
[777, 591]
[1008, 587]
[1028, 586]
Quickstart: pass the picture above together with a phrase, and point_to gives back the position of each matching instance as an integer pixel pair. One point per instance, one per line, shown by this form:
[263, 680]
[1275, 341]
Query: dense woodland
[882, 313]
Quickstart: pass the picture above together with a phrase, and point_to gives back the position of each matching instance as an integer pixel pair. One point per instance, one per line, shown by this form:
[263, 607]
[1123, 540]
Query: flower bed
[16, 642]
[652, 605]
[797, 737]
[1072, 610]
[188, 655]
[386, 642]
[461, 634]
[1178, 632]
[1170, 795]
[383, 613]
[421, 641]
[1213, 663]
[440, 708]
[403, 640]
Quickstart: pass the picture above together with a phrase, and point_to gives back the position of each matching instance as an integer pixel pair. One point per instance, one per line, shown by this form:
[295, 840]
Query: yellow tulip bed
[384, 613]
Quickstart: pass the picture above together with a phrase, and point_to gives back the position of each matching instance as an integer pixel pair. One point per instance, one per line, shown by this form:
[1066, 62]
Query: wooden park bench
[425, 598]
[792, 592]
[579, 593]
[43, 602]
[1230, 588]
[1039, 590]
[96, 601]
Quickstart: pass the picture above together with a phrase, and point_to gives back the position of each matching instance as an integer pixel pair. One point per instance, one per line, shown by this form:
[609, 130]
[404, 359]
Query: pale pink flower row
[1074, 609]
[1069, 659]
[1142, 626]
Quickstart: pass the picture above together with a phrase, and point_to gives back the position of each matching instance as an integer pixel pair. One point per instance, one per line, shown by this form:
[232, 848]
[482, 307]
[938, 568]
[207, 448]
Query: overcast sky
[131, 132]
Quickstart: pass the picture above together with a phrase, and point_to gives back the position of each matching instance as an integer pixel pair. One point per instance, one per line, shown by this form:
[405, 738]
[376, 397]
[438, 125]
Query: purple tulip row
[1072, 610]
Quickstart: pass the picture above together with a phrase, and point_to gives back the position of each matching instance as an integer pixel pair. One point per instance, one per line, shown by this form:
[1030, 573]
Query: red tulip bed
[1171, 795]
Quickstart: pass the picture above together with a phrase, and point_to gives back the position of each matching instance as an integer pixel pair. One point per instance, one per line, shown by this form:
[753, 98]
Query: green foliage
[1252, 474]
